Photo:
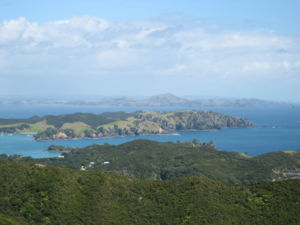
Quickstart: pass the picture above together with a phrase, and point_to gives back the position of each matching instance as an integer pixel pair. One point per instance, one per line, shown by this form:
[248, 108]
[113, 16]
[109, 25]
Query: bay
[278, 128]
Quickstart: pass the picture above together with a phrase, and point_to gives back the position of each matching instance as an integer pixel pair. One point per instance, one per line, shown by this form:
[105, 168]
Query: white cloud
[12, 30]
[90, 46]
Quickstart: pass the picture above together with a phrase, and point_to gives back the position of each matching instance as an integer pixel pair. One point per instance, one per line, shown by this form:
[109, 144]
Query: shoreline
[106, 137]
[173, 133]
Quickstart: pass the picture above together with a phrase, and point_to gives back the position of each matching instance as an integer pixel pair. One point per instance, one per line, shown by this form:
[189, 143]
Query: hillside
[163, 100]
[82, 125]
[161, 161]
[37, 194]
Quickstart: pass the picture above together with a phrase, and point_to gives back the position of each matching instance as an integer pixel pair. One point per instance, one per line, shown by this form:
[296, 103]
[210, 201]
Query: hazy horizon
[87, 49]
[133, 97]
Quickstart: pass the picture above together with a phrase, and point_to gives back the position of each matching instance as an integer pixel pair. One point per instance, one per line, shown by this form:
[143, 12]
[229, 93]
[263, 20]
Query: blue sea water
[278, 128]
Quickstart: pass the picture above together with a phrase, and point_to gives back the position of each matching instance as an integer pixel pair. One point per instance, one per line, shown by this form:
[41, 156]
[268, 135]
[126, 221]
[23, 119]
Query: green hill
[33, 193]
[81, 125]
[160, 161]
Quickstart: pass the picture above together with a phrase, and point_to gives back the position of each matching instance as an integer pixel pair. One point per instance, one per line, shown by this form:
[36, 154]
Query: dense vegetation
[120, 124]
[33, 193]
[160, 161]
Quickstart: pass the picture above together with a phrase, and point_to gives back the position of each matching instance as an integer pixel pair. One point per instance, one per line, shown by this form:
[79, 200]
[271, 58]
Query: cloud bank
[166, 52]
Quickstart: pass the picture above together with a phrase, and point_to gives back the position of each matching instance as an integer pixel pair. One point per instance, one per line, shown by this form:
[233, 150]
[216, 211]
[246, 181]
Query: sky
[87, 49]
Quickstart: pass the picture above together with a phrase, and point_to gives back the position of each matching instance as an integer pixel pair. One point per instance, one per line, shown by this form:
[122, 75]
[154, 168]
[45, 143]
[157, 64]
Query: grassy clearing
[11, 125]
[290, 151]
[119, 123]
[245, 155]
[37, 127]
[34, 128]
[133, 122]
[147, 125]
[78, 127]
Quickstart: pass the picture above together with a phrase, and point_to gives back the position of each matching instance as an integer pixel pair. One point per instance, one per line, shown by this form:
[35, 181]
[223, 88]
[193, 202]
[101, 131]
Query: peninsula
[84, 125]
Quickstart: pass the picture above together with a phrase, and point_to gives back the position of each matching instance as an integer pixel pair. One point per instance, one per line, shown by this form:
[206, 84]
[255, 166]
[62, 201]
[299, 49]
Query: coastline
[106, 137]
[171, 133]
[174, 133]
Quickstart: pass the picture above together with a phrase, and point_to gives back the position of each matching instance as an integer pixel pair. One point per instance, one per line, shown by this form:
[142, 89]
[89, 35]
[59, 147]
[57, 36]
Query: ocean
[277, 128]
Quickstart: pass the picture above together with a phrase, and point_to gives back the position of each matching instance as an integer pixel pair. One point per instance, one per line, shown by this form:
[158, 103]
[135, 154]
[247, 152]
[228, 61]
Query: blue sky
[98, 48]
[282, 15]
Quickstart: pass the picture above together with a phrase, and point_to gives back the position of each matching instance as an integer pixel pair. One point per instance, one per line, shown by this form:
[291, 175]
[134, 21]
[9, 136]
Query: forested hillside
[160, 161]
[32, 193]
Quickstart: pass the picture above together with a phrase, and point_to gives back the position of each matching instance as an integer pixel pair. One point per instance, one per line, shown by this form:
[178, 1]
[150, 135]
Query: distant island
[161, 100]
[85, 125]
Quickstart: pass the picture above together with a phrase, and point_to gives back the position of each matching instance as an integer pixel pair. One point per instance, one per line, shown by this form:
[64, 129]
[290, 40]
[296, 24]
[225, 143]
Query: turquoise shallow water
[278, 129]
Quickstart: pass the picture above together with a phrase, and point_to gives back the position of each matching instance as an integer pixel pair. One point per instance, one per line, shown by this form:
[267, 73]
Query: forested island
[85, 125]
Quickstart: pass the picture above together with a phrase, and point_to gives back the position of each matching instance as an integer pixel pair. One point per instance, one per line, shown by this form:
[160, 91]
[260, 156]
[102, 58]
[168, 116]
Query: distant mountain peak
[165, 95]
[168, 96]
[165, 99]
